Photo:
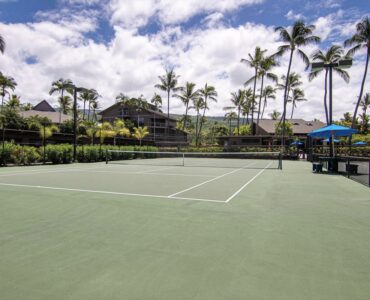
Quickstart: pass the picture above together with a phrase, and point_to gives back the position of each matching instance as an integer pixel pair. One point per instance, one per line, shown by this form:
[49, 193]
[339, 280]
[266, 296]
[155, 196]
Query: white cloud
[293, 16]
[130, 62]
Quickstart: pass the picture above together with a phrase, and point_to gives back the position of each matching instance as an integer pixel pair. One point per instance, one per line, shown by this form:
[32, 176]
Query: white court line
[41, 172]
[253, 178]
[159, 174]
[202, 183]
[107, 192]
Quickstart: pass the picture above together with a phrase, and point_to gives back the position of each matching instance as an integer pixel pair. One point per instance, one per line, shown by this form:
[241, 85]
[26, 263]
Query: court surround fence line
[261, 160]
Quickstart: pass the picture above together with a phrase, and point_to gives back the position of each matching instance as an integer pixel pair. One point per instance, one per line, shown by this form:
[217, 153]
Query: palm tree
[229, 117]
[268, 93]
[60, 86]
[2, 44]
[294, 81]
[14, 102]
[207, 93]
[94, 107]
[198, 105]
[297, 96]
[156, 101]
[93, 98]
[275, 115]
[168, 84]
[254, 62]
[119, 129]
[360, 40]
[140, 133]
[65, 106]
[6, 83]
[238, 99]
[188, 94]
[333, 54]
[299, 35]
[247, 104]
[266, 64]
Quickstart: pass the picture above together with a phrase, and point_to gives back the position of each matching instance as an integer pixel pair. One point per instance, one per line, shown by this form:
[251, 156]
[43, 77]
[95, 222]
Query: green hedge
[13, 154]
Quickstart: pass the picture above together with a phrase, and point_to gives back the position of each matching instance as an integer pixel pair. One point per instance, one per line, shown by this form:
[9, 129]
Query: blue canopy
[334, 140]
[360, 144]
[296, 143]
[332, 130]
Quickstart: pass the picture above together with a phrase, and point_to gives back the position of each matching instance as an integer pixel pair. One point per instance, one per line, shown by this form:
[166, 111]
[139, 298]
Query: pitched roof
[43, 106]
[54, 116]
[299, 126]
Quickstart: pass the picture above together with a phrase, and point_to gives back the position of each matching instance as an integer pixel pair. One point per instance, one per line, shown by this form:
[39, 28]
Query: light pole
[344, 63]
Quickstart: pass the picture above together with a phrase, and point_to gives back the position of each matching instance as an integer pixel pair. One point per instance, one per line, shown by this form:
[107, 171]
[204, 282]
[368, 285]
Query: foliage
[288, 128]
[140, 133]
[244, 130]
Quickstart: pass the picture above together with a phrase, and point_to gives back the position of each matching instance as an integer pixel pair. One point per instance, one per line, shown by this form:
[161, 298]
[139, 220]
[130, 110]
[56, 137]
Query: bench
[317, 167]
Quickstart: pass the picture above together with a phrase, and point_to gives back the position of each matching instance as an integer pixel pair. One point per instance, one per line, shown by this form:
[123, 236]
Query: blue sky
[123, 45]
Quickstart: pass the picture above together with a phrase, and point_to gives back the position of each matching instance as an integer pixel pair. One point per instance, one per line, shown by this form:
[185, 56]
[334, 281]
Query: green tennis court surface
[96, 231]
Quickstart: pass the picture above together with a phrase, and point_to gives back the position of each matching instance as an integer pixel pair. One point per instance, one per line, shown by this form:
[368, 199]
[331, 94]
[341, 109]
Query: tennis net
[245, 160]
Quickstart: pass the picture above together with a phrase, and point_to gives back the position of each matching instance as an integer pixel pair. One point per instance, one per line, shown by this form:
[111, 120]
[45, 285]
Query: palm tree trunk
[264, 106]
[88, 111]
[186, 115]
[325, 96]
[362, 90]
[168, 113]
[259, 104]
[238, 121]
[286, 97]
[196, 129]
[201, 120]
[254, 95]
[230, 127]
[83, 117]
[291, 116]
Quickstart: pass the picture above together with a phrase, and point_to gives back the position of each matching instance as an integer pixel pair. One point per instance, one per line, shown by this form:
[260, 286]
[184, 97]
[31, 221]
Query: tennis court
[175, 228]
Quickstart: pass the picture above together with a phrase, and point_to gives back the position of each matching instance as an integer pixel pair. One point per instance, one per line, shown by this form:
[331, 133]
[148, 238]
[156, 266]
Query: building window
[123, 112]
[140, 121]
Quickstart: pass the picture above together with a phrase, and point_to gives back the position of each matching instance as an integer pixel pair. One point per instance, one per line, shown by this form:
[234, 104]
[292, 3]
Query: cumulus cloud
[293, 16]
[131, 62]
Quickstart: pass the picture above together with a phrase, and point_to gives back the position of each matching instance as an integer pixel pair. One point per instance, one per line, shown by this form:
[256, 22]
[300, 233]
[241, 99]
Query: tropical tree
[65, 106]
[238, 99]
[254, 61]
[60, 86]
[268, 93]
[6, 84]
[293, 38]
[156, 101]
[333, 54]
[187, 96]
[229, 117]
[287, 127]
[168, 84]
[244, 130]
[14, 102]
[198, 105]
[275, 115]
[140, 133]
[247, 105]
[103, 131]
[365, 105]
[297, 96]
[208, 93]
[120, 129]
[360, 40]
[94, 107]
[92, 100]
[266, 65]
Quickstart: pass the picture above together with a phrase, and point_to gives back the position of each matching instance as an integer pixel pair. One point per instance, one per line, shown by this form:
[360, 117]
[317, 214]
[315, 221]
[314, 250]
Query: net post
[183, 159]
[106, 156]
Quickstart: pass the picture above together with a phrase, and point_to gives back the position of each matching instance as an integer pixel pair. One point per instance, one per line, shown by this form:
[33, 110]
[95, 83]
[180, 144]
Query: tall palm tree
[198, 105]
[294, 81]
[297, 96]
[360, 40]
[238, 99]
[254, 62]
[208, 93]
[60, 86]
[294, 38]
[268, 93]
[168, 84]
[333, 54]
[2, 44]
[266, 64]
[94, 107]
[275, 115]
[247, 104]
[229, 117]
[6, 83]
[365, 104]
[93, 97]
[188, 94]
[65, 106]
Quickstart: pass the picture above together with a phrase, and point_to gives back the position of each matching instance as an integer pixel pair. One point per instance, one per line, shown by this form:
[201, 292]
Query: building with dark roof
[45, 110]
[162, 130]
